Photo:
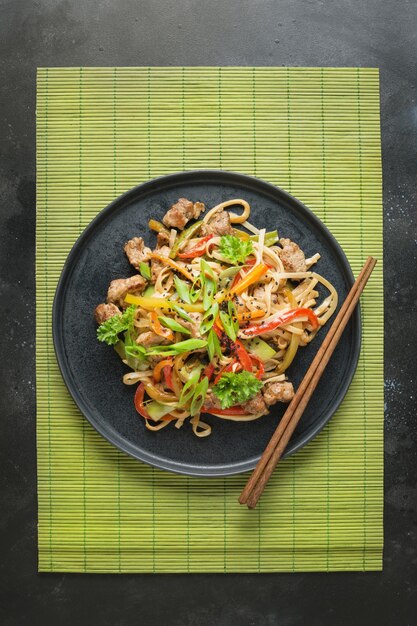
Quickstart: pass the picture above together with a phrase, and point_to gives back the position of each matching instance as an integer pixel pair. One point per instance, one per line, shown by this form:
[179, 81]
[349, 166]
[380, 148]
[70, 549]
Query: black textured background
[205, 32]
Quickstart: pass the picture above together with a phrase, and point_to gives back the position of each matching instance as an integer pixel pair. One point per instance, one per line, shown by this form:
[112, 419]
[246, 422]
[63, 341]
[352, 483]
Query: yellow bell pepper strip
[251, 277]
[160, 330]
[173, 264]
[158, 227]
[186, 234]
[149, 303]
[241, 234]
[290, 354]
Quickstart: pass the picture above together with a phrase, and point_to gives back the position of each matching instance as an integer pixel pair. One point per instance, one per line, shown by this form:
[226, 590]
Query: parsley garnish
[234, 249]
[110, 329]
[233, 389]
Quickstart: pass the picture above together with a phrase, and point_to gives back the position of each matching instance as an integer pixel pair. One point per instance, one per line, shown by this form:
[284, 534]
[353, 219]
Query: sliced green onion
[208, 292]
[199, 396]
[213, 345]
[233, 315]
[226, 276]
[182, 313]
[228, 325]
[178, 348]
[195, 292]
[189, 387]
[173, 325]
[206, 270]
[270, 238]
[182, 289]
[145, 270]
[209, 318]
[136, 351]
[186, 234]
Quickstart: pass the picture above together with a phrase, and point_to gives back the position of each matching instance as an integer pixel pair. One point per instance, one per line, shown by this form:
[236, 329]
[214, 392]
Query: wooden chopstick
[279, 440]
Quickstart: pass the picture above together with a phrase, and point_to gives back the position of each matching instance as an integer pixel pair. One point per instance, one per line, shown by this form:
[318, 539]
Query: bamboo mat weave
[316, 133]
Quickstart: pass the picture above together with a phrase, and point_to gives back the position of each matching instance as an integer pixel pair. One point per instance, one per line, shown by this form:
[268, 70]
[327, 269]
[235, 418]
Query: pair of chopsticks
[279, 440]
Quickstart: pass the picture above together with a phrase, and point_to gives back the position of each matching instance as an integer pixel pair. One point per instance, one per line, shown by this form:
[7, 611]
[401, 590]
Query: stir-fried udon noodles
[213, 317]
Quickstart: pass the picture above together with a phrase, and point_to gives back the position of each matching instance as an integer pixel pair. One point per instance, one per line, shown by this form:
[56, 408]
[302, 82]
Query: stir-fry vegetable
[173, 264]
[159, 329]
[159, 303]
[279, 320]
[197, 250]
[234, 249]
[251, 277]
[236, 388]
[186, 234]
[198, 306]
[109, 331]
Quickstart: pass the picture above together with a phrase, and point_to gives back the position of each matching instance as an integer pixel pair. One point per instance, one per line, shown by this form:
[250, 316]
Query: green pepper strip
[186, 234]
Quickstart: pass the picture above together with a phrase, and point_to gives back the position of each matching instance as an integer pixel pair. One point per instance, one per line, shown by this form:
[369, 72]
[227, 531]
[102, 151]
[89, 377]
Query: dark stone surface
[193, 32]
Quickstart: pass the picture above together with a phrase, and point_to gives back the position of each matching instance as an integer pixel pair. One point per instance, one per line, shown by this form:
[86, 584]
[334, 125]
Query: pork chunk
[211, 403]
[137, 252]
[256, 405]
[292, 256]
[278, 392]
[181, 212]
[121, 286]
[149, 338]
[219, 225]
[162, 239]
[104, 312]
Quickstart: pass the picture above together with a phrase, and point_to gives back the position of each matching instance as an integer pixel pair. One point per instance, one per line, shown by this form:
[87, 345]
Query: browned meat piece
[256, 405]
[121, 286]
[149, 339]
[181, 212]
[104, 312]
[193, 326]
[136, 251]
[157, 266]
[278, 392]
[211, 403]
[162, 239]
[292, 256]
[219, 225]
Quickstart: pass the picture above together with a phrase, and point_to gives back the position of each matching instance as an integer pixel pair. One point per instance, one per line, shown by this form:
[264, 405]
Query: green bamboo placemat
[316, 133]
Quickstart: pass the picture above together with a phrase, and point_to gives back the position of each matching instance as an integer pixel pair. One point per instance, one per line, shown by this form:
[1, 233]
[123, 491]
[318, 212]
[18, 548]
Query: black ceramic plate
[93, 372]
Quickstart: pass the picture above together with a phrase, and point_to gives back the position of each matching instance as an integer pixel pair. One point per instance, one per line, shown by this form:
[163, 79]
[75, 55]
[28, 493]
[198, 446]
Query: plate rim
[206, 471]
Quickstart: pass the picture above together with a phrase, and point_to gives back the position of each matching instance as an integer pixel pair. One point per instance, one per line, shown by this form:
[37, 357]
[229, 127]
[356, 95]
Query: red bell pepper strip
[234, 410]
[168, 377]
[284, 318]
[140, 392]
[234, 366]
[243, 355]
[197, 250]
[261, 369]
[209, 371]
